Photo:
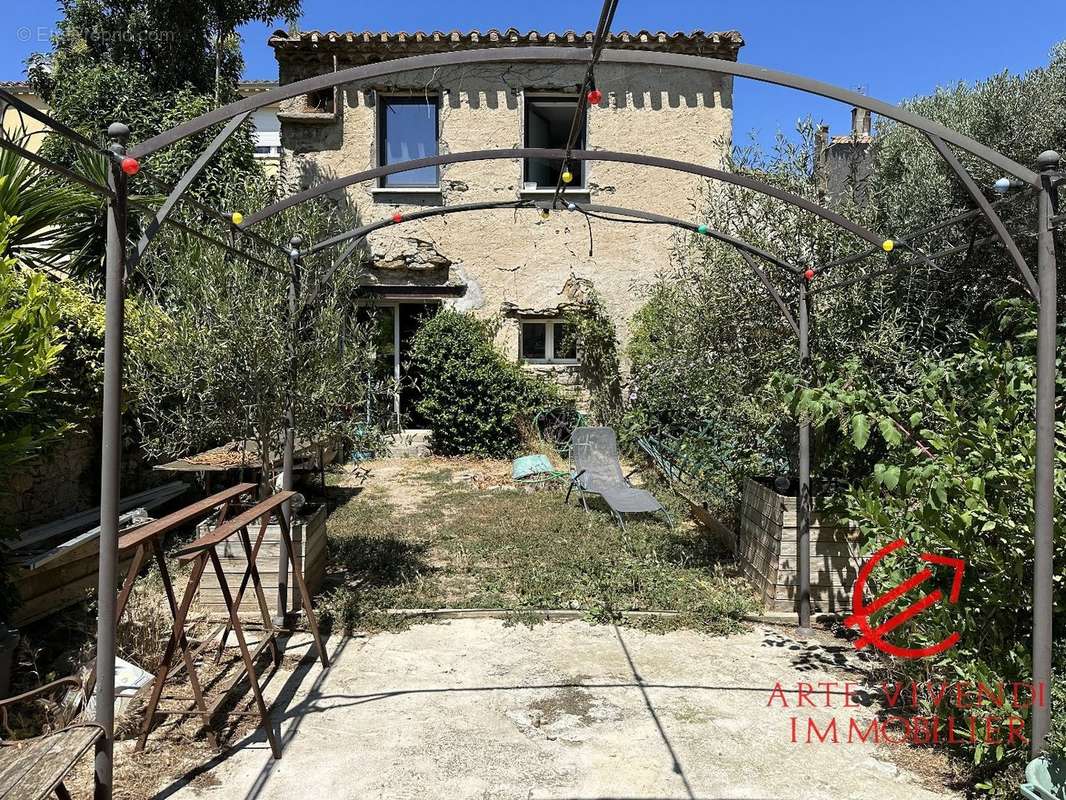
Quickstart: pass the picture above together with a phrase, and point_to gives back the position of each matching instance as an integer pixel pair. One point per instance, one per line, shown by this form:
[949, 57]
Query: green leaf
[887, 475]
[889, 431]
[860, 431]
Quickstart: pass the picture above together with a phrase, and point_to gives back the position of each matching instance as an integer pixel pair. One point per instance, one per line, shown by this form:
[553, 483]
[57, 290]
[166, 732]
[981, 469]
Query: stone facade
[513, 264]
[64, 479]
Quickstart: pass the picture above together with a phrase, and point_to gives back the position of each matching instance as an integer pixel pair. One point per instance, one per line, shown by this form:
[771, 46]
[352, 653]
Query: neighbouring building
[844, 164]
[526, 270]
[267, 135]
[19, 125]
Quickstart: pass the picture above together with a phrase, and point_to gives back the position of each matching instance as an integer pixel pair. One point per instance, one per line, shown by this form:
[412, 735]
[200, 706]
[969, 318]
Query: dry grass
[435, 533]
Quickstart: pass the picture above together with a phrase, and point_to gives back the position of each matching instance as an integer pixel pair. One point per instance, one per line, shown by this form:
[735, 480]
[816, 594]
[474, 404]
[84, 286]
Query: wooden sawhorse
[147, 539]
[199, 553]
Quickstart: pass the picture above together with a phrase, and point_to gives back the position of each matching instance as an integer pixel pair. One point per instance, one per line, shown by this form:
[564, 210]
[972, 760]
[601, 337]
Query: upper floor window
[548, 119]
[548, 341]
[407, 129]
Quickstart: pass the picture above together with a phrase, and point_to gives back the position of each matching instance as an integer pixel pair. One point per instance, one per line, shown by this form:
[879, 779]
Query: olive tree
[219, 356]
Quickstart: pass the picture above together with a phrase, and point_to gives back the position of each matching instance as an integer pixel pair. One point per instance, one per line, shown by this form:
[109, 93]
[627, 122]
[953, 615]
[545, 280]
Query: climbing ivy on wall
[597, 343]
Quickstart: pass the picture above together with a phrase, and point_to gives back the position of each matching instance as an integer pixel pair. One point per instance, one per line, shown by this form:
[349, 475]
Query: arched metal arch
[576, 155]
[1045, 183]
[745, 249]
[370, 227]
[579, 56]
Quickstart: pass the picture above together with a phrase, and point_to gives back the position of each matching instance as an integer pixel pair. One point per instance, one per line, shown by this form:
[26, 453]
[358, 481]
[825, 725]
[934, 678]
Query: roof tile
[723, 44]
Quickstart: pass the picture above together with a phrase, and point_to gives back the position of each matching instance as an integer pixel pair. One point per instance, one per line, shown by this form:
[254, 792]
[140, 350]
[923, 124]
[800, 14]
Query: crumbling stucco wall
[521, 261]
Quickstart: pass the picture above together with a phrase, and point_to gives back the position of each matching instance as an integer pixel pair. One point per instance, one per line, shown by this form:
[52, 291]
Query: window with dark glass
[534, 341]
[548, 120]
[407, 129]
[564, 342]
[548, 341]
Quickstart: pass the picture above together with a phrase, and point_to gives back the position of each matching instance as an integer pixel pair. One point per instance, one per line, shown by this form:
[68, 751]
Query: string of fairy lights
[589, 96]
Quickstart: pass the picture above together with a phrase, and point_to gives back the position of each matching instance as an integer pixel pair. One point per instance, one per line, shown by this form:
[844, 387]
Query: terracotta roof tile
[724, 44]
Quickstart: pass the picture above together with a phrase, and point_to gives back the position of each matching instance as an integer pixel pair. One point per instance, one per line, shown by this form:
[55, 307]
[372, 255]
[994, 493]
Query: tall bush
[473, 397]
[948, 465]
[30, 346]
[709, 337]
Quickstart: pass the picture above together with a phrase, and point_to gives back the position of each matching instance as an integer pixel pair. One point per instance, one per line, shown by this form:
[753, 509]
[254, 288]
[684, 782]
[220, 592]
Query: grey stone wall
[59, 482]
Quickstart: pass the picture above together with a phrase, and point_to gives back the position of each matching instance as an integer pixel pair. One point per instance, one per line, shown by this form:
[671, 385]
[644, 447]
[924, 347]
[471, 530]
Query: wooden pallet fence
[309, 541]
[767, 552]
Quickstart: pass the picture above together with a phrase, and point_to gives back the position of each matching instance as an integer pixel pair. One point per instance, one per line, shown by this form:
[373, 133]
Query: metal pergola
[125, 159]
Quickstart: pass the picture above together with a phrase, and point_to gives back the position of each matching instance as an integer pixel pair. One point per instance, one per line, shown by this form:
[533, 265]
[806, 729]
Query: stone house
[525, 270]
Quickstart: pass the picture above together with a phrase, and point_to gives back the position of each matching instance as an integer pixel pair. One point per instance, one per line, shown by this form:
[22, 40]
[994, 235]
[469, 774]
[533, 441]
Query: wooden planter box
[767, 552]
[67, 580]
[309, 542]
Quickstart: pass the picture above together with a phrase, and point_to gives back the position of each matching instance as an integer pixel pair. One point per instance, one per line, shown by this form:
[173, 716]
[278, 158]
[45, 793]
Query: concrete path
[476, 709]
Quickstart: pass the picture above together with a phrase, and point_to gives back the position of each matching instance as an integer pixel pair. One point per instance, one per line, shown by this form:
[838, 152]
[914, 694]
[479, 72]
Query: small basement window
[548, 119]
[408, 129]
[548, 341]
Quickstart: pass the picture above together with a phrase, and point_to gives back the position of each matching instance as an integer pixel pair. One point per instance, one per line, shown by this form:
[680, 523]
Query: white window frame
[549, 341]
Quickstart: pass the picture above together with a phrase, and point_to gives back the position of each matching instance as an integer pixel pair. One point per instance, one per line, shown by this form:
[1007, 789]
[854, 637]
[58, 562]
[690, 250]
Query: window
[407, 129]
[322, 101]
[547, 124]
[549, 342]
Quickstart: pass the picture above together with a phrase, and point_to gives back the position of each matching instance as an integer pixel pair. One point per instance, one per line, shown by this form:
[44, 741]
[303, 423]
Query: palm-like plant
[47, 234]
[59, 224]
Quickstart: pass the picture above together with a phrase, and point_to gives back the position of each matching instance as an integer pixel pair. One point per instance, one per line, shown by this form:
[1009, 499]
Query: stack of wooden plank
[56, 563]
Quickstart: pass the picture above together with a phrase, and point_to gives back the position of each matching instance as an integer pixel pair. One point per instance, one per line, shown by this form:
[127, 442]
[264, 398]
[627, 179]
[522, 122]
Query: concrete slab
[476, 709]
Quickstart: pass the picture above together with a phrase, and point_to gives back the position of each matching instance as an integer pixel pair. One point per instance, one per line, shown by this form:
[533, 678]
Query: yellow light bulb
[237, 217]
[567, 176]
[887, 245]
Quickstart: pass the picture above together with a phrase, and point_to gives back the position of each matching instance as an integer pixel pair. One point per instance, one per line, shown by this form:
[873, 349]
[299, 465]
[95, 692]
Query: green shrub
[30, 346]
[473, 397]
[601, 371]
[947, 465]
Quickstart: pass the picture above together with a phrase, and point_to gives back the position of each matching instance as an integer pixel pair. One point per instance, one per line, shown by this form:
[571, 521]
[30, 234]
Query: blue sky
[891, 50]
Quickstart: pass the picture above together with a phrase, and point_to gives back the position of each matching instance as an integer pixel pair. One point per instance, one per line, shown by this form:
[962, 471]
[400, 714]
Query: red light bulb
[397, 217]
[130, 166]
[595, 96]
[809, 274]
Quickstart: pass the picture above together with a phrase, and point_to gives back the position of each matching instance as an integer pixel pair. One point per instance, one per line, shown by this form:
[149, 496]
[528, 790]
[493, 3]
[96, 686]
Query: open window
[548, 341]
[548, 119]
[408, 129]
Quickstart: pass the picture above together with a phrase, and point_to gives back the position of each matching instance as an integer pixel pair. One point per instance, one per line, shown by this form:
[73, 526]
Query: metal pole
[803, 502]
[1044, 489]
[288, 456]
[110, 459]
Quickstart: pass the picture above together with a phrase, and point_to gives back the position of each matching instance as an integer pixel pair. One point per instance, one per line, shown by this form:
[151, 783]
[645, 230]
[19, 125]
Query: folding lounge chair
[595, 469]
